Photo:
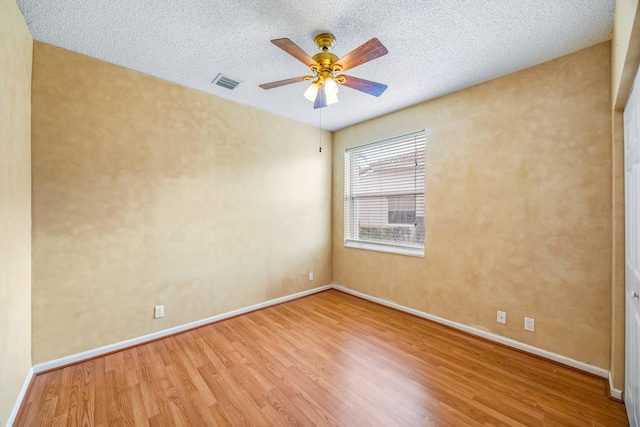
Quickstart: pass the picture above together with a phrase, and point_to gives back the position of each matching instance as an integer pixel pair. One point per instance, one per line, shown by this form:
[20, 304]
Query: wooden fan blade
[370, 50]
[366, 86]
[321, 99]
[282, 82]
[294, 50]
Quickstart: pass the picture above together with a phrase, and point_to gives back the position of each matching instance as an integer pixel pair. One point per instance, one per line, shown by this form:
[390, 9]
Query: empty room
[345, 213]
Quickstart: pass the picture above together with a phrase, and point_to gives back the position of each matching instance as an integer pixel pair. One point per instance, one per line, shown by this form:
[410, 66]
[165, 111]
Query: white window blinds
[384, 195]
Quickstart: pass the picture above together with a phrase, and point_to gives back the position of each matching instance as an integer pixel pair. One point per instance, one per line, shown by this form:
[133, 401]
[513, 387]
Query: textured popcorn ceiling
[435, 47]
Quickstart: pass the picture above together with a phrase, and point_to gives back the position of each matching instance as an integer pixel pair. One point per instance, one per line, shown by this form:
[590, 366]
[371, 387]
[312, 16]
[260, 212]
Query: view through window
[384, 195]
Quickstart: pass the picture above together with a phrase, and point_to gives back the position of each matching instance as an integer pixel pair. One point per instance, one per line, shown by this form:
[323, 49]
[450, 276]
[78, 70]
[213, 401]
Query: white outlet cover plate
[502, 317]
[159, 311]
[529, 324]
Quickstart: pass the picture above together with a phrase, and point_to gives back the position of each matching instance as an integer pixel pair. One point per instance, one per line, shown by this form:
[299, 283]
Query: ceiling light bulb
[332, 98]
[311, 92]
[330, 86]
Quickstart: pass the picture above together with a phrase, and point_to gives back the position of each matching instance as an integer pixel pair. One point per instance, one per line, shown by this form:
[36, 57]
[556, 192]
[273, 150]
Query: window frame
[351, 218]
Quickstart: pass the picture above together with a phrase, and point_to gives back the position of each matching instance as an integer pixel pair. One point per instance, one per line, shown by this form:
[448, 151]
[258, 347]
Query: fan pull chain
[320, 150]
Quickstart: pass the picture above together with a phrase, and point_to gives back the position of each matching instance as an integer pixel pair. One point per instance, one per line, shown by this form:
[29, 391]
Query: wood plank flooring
[329, 359]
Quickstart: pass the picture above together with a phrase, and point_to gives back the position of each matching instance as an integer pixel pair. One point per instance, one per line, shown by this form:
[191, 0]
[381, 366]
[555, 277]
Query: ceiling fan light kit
[326, 68]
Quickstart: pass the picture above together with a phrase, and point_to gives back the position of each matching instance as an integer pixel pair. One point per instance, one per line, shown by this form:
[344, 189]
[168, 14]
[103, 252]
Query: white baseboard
[614, 392]
[487, 335]
[74, 358]
[21, 395]
[177, 329]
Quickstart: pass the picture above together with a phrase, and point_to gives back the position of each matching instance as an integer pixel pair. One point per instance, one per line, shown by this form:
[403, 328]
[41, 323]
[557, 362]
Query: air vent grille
[226, 81]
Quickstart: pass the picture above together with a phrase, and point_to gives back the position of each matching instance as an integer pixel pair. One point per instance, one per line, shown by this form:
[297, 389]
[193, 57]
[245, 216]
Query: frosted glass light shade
[330, 86]
[311, 92]
[332, 98]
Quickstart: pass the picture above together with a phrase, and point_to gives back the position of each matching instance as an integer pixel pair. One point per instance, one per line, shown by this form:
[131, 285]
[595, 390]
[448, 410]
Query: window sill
[381, 247]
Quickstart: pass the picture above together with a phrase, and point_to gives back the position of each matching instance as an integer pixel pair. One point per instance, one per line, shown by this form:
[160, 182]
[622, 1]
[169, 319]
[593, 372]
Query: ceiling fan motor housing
[325, 42]
[325, 59]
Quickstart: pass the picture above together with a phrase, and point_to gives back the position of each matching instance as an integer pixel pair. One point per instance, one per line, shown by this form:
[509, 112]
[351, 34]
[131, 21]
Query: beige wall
[15, 205]
[518, 214]
[147, 193]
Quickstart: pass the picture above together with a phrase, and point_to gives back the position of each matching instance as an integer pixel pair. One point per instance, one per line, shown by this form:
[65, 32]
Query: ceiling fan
[326, 67]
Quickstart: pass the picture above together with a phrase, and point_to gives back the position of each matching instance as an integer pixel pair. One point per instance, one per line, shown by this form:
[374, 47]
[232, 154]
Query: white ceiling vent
[226, 81]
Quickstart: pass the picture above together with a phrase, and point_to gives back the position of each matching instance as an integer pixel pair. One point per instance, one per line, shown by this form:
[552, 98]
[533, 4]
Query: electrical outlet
[310, 277]
[158, 311]
[529, 324]
[502, 317]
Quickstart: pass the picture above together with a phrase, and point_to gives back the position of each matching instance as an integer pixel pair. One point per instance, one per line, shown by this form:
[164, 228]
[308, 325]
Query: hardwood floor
[329, 359]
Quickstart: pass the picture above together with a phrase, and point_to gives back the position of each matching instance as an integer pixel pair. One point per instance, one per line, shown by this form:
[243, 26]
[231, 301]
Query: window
[384, 195]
